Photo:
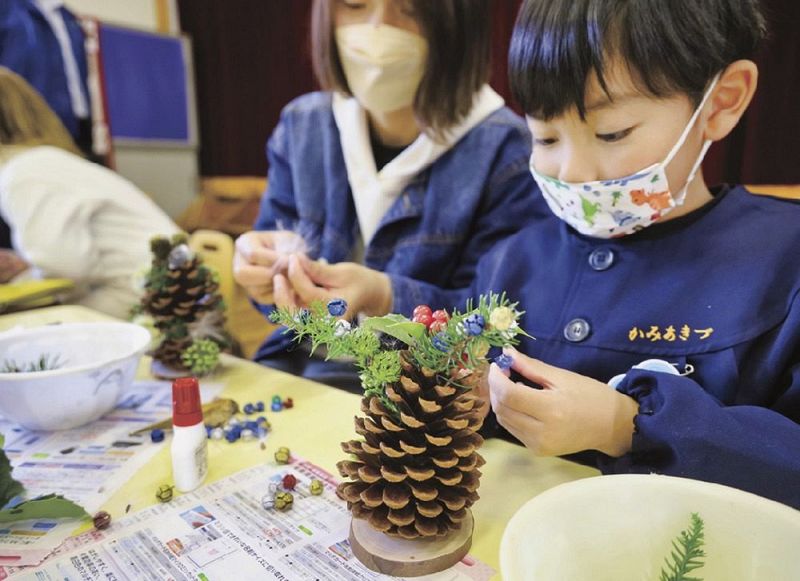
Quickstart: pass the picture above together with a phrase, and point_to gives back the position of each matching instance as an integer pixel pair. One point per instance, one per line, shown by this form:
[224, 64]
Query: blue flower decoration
[440, 341]
[337, 307]
[504, 361]
[303, 316]
[474, 324]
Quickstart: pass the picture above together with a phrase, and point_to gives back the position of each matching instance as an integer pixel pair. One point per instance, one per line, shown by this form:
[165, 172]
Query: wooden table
[321, 418]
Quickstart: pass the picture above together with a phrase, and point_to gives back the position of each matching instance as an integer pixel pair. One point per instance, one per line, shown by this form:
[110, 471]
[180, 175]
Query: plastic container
[189, 440]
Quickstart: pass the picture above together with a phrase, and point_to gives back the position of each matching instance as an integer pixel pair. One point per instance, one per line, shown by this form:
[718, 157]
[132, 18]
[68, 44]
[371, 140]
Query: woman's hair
[25, 117]
[458, 35]
[668, 46]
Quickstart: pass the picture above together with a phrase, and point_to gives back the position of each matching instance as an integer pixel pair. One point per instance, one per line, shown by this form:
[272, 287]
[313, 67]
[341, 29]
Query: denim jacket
[430, 240]
[29, 47]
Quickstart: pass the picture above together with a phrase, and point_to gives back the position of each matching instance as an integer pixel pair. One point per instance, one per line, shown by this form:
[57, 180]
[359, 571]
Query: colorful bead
[232, 435]
[316, 487]
[157, 435]
[437, 327]
[502, 318]
[440, 315]
[276, 399]
[249, 408]
[247, 434]
[504, 361]
[268, 502]
[217, 434]
[337, 307]
[282, 455]
[260, 406]
[440, 342]
[422, 309]
[342, 328]
[288, 403]
[474, 324]
[102, 520]
[164, 493]
[284, 500]
[276, 407]
[289, 481]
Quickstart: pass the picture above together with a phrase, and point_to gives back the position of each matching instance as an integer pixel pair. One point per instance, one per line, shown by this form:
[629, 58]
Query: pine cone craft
[417, 476]
[182, 297]
[414, 469]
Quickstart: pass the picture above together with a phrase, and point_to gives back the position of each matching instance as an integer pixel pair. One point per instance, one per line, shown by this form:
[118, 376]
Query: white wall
[169, 175]
[135, 13]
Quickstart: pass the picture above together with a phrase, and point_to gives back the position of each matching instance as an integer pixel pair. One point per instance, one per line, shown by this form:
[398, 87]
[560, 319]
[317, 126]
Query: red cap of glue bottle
[186, 410]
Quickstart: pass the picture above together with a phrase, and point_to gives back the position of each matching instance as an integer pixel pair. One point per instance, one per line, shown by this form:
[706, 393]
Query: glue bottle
[189, 444]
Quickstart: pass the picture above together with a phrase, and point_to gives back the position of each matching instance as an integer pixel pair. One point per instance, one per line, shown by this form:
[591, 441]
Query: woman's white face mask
[384, 65]
[613, 208]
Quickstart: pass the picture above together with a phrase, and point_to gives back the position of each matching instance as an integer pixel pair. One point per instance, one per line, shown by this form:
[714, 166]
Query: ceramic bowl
[621, 528]
[94, 364]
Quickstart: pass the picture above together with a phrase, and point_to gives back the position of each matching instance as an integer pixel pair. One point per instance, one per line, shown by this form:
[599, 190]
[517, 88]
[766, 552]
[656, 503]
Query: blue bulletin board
[147, 81]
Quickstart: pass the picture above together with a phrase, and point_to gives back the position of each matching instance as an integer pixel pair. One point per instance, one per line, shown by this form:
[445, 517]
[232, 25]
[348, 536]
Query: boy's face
[619, 137]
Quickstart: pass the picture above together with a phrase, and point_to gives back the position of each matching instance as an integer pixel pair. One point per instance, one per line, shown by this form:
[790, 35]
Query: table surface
[322, 418]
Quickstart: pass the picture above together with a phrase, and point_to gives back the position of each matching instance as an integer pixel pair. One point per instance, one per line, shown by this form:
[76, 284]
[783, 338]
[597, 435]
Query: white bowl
[621, 528]
[99, 362]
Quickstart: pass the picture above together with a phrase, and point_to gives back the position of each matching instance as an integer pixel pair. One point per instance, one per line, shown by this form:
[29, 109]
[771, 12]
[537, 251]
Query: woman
[70, 218]
[396, 178]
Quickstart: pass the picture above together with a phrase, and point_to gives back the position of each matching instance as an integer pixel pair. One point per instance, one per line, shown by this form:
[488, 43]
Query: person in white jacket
[69, 217]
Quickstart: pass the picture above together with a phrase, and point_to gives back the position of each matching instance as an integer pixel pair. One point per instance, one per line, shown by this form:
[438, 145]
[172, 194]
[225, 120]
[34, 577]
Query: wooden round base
[409, 558]
[161, 371]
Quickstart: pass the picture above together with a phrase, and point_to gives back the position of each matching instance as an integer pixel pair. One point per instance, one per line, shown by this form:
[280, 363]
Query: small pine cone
[170, 353]
[414, 475]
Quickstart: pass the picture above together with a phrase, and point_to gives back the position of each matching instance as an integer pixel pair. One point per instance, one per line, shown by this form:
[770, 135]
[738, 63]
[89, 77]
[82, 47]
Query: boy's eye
[615, 136]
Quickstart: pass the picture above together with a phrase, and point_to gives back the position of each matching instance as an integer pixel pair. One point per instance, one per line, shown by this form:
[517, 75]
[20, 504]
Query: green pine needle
[45, 362]
[687, 553]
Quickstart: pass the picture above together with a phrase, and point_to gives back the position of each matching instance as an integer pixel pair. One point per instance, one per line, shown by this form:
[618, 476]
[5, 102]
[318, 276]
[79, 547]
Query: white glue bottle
[189, 440]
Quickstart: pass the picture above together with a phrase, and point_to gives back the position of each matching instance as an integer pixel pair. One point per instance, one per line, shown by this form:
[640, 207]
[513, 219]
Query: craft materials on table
[223, 528]
[85, 464]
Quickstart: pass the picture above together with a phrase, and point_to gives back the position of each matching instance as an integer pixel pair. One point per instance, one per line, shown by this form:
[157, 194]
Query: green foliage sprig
[687, 553]
[46, 362]
[457, 348]
[47, 506]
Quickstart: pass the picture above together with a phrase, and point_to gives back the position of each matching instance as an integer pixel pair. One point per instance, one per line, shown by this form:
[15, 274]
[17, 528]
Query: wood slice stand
[409, 558]
[161, 371]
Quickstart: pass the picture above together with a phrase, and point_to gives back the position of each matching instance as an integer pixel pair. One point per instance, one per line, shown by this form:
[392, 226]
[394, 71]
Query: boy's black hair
[669, 46]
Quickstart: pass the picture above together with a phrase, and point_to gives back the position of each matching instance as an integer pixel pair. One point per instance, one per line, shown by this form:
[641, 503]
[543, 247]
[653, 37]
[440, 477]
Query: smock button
[577, 330]
[601, 259]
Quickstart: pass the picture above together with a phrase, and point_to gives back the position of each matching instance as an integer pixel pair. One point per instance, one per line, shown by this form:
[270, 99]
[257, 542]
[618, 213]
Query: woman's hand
[259, 257]
[11, 265]
[571, 412]
[365, 290]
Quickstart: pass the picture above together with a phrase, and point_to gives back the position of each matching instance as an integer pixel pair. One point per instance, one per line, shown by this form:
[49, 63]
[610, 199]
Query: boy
[653, 265]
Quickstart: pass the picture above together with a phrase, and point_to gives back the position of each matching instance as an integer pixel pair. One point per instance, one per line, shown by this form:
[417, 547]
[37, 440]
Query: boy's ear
[732, 95]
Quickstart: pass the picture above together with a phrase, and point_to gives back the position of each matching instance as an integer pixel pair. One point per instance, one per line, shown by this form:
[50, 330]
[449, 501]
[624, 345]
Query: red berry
[421, 309]
[440, 315]
[289, 482]
[424, 318]
[437, 326]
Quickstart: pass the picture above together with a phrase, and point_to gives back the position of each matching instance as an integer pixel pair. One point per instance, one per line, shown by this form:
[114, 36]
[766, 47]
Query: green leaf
[687, 554]
[398, 327]
[9, 488]
[48, 506]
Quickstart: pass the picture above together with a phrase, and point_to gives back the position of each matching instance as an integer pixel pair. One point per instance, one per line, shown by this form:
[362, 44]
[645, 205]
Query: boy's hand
[259, 257]
[571, 412]
[365, 290]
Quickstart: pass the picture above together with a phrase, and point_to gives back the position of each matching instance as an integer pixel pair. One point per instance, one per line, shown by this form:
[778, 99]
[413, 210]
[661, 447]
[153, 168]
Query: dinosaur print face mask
[619, 207]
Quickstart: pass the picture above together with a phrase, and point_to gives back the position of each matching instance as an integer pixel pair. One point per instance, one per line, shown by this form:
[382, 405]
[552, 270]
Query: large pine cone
[414, 476]
[187, 294]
